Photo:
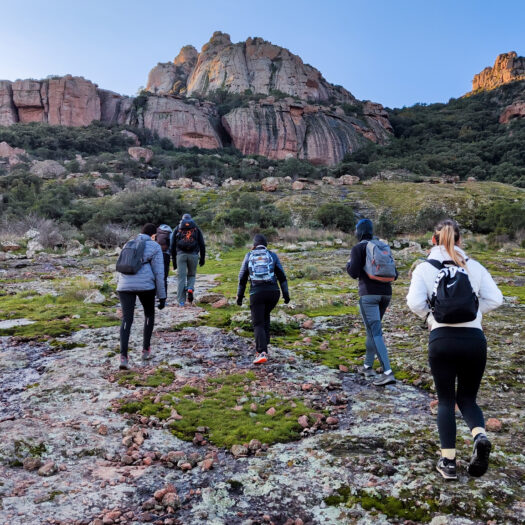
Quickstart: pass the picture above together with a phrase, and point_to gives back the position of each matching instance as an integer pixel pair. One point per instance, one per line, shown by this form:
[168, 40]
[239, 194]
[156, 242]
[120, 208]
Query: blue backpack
[261, 265]
[379, 264]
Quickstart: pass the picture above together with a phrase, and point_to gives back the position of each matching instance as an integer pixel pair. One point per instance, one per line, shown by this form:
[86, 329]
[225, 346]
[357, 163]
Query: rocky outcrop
[516, 110]
[291, 129]
[255, 65]
[508, 67]
[11, 154]
[185, 124]
[8, 112]
[171, 77]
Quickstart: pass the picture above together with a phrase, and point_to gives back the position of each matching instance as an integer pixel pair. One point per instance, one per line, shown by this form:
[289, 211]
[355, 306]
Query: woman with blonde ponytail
[457, 348]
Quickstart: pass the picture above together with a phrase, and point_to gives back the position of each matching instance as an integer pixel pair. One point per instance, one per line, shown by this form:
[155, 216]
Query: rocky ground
[198, 435]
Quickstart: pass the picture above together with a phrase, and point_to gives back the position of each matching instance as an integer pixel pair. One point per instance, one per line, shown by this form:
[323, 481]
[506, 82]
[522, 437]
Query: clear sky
[396, 52]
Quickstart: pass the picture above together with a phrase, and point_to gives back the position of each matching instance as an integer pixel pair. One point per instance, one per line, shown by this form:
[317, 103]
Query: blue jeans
[373, 308]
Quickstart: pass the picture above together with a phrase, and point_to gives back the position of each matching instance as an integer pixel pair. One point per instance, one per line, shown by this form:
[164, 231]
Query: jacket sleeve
[281, 276]
[173, 241]
[355, 263]
[157, 265]
[243, 277]
[490, 296]
[202, 248]
[417, 297]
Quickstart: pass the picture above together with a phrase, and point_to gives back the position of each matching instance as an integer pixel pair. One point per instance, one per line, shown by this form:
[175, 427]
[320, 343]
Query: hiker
[453, 291]
[144, 281]
[375, 294]
[187, 249]
[163, 237]
[263, 268]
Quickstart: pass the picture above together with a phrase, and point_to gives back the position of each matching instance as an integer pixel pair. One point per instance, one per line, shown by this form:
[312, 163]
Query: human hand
[239, 300]
[201, 262]
[162, 304]
[286, 298]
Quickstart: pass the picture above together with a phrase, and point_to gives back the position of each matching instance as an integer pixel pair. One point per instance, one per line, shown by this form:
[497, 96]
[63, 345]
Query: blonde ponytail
[447, 235]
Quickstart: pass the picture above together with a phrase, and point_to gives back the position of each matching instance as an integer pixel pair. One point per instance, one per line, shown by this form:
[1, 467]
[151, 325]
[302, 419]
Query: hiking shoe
[384, 379]
[479, 462]
[124, 363]
[181, 304]
[368, 372]
[260, 358]
[447, 468]
[190, 296]
[146, 354]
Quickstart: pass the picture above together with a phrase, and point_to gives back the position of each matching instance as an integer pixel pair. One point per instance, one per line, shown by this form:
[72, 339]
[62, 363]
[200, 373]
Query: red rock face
[8, 113]
[508, 67]
[72, 101]
[289, 129]
[28, 100]
[186, 125]
[516, 110]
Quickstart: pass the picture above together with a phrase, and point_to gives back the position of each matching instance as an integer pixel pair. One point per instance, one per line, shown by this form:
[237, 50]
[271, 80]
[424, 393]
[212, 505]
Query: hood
[165, 228]
[364, 229]
[187, 223]
[440, 254]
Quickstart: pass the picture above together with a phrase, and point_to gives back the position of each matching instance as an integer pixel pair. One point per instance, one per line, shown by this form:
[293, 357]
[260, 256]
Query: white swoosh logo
[451, 284]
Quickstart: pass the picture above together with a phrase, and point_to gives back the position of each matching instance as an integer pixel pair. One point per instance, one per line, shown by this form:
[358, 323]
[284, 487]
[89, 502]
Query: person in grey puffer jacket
[145, 284]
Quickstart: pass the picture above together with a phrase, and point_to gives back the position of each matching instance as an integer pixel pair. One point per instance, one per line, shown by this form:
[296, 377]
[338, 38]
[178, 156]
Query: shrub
[337, 215]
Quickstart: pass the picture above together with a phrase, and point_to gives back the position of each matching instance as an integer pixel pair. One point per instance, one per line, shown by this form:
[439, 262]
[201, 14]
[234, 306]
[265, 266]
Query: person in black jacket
[374, 298]
[187, 249]
[264, 269]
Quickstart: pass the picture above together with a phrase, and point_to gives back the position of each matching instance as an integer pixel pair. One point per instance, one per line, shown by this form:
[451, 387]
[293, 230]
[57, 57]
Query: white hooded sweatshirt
[422, 284]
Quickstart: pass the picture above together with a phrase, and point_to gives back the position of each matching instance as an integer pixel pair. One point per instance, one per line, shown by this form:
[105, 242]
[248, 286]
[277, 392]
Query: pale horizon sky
[397, 53]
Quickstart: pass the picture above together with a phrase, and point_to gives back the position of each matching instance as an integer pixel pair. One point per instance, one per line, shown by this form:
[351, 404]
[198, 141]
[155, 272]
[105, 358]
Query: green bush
[337, 215]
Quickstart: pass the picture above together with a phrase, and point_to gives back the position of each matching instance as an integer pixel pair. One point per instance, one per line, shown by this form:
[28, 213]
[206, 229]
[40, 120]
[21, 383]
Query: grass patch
[160, 377]
[54, 316]
[213, 407]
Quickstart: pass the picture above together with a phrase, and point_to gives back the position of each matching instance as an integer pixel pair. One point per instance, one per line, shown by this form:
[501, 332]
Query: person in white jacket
[456, 350]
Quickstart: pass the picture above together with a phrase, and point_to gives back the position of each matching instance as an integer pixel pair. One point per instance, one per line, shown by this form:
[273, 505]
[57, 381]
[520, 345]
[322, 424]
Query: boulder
[33, 247]
[182, 182]
[229, 182]
[12, 154]
[102, 184]
[47, 169]
[140, 154]
[348, 180]
[270, 184]
[239, 451]
[9, 246]
[516, 110]
[210, 297]
[298, 185]
[94, 297]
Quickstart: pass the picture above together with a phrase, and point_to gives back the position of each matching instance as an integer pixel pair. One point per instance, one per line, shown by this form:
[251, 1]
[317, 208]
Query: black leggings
[457, 353]
[166, 257]
[127, 301]
[261, 305]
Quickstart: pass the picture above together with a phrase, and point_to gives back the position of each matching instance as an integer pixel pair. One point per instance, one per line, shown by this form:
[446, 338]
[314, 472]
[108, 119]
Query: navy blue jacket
[279, 275]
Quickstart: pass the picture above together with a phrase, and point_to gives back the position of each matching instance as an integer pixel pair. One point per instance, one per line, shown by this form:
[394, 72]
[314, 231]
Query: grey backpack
[130, 259]
[379, 264]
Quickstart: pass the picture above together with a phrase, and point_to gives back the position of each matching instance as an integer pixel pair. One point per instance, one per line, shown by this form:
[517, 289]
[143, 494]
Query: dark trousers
[457, 353]
[127, 301]
[167, 259]
[261, 305]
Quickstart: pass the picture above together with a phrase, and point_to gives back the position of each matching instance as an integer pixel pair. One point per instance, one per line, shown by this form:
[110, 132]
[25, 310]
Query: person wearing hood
[163, 237]
[457, 350]
[374, 298]
[187, 250]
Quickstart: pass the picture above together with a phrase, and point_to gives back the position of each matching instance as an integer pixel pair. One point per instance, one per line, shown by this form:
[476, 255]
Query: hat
[364, 229]
[186, 217]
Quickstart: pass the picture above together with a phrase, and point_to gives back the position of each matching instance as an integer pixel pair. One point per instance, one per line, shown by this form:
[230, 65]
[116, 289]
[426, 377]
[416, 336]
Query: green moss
[24, 449]
[161, 376]
[513, 291]
[54, 316]
[214, 408]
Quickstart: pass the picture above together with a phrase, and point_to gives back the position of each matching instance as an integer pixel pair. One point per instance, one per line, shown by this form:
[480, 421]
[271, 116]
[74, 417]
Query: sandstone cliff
[508, 67]
[255, 65]
[317, 121]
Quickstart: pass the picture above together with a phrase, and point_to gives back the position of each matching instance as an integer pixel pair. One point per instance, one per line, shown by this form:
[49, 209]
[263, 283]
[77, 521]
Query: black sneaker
[368, 372]
[447, 468]
[479, 462]
[384, 379]
[190, 296]
[124, 363]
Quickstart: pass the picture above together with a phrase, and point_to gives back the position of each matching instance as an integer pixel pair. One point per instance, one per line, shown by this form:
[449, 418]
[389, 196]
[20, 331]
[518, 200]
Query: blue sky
[396, 52]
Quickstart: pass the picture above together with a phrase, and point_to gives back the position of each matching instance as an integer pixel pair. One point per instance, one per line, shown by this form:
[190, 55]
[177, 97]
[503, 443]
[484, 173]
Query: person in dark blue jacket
[265, 272]
[374, 298]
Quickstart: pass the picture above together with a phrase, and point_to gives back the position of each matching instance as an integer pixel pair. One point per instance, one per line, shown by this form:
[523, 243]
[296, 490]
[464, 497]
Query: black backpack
[129, 261]
[187, 238]
[453, 300]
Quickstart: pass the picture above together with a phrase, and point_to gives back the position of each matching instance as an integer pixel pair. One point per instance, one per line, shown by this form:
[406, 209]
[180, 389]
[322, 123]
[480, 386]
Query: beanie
[364, 229]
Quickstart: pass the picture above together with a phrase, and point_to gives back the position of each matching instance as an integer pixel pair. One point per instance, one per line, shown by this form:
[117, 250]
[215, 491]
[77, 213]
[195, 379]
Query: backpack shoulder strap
[435, 263]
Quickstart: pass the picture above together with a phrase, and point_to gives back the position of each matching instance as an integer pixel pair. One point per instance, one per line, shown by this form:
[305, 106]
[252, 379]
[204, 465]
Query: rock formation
[317, 121]
[516, 110]
[255, 65]
[508, 67]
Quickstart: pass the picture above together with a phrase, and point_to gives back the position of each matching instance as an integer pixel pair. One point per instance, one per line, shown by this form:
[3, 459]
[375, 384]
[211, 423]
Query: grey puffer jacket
[150, 276]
